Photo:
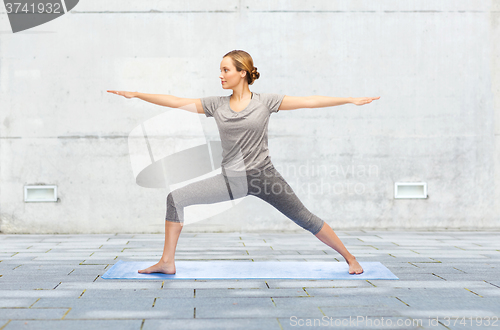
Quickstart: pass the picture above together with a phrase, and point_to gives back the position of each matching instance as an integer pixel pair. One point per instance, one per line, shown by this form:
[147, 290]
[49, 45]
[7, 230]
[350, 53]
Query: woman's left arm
[318, 101]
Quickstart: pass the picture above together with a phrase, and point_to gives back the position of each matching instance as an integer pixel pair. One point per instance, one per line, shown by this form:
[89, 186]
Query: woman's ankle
[350, 258]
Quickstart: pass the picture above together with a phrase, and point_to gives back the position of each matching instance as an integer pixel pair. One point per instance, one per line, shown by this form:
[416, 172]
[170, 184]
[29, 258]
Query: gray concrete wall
[434, 64]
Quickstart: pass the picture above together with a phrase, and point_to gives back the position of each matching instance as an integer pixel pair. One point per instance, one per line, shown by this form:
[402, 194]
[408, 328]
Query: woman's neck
[241, 95]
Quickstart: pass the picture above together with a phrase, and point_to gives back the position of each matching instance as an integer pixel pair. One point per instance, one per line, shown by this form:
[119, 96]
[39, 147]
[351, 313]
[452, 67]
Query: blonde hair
[243, 61]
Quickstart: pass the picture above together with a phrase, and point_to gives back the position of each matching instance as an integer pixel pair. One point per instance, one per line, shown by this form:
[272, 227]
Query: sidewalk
[54, 282]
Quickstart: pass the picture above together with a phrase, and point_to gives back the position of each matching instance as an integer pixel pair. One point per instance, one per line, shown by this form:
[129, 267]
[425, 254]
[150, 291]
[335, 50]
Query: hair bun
[255, 73]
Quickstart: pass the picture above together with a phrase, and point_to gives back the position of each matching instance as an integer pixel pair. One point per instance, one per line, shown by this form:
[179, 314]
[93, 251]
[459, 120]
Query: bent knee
[175, 200]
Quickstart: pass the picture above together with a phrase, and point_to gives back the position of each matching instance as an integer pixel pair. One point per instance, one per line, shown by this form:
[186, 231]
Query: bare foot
[354, 266]
[160, 267]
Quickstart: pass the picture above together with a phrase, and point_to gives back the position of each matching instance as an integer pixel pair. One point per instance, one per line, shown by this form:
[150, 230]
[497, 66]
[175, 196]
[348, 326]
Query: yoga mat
[190, 270]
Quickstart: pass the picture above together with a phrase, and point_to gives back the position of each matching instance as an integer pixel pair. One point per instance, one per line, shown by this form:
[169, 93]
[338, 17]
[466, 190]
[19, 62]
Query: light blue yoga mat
[214, 270]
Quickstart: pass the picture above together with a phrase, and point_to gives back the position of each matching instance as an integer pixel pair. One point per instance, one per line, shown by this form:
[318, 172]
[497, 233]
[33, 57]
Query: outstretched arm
[318, 101]
[191, 105]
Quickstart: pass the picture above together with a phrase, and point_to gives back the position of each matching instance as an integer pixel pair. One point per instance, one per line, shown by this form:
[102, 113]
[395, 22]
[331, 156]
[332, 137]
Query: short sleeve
[210, 104]
[273, 101]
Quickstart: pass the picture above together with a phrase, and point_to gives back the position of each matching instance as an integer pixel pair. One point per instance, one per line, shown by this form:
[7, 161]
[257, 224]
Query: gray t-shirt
[243, 134]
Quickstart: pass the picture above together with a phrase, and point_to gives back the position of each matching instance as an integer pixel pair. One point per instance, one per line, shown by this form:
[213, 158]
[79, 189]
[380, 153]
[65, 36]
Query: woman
[242, 119]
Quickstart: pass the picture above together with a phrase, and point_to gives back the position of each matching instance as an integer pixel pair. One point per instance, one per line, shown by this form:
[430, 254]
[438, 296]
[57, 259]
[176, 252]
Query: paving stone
[437, 302]
[84, 303]
[279, 284]
[29, 285]
[214, 324]
[368, 311]
[250, 293]
[132, 293]
[491, 276]
[428, 276]
[16, 302]
[40, 270]
[15, 293]
[254, 310]
[388, 292]
[338, 301]
[14, 278]
[33, 313]
[117, 285]
[81, 278]
[130, 314]
[222, 284]
[83, 270]
[75, 324]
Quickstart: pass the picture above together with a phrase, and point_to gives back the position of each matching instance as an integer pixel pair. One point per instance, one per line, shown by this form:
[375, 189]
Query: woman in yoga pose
[242, 119]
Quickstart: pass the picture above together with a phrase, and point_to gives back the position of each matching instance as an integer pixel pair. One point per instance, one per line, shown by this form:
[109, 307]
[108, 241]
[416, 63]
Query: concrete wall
[434, 64]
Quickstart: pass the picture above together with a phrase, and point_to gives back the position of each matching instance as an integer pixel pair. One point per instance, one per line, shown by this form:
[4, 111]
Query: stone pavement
[448, 280]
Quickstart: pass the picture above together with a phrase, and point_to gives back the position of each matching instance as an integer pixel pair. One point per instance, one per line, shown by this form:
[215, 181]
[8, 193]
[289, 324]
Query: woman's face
[230, 77]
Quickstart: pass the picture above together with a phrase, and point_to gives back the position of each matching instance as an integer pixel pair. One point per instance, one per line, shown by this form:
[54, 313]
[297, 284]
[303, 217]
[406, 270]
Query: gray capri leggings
[267, 185]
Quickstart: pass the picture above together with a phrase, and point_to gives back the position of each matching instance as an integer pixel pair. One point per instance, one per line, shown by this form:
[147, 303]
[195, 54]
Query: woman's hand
[128, 95]
[363, 100]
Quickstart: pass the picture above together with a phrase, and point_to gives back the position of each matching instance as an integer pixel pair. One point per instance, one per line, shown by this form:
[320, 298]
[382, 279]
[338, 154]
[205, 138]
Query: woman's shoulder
[266, 94]
[267, 97]
[260, 96]
[214, 98]
[270, 100]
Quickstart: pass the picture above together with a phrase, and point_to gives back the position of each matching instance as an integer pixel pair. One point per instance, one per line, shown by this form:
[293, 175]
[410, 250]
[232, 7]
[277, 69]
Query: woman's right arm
[191, 105]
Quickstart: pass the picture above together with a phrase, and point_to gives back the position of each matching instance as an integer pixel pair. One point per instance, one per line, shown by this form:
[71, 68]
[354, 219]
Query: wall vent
[40, 193]
[410, 190]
